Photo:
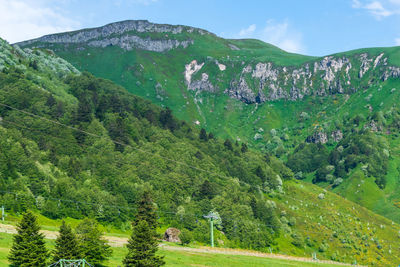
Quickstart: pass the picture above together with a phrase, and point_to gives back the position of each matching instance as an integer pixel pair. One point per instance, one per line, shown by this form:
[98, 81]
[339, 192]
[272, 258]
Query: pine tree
[244, 148]
[203, 135]
[228, 144]
[143, 244]
[142, 247]
[67, 246]
[206, 190]
[92, 246]
[28, 247]
[146, 210]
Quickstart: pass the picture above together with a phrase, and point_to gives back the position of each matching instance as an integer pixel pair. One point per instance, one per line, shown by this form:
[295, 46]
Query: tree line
[86, 242]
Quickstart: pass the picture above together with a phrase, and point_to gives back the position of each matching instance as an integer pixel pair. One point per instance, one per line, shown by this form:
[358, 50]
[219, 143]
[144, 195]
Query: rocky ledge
[124, 34]
[264, 81]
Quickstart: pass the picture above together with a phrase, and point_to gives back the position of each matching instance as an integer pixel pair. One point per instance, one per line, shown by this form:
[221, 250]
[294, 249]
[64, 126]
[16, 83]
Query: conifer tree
[67, 246]
[203, 135]
[28, 248]
[143, 244]
[93, 247]
[146, 211]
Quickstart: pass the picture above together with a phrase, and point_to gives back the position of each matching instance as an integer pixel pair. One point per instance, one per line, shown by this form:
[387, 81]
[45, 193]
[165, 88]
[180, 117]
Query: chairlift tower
[212, 217]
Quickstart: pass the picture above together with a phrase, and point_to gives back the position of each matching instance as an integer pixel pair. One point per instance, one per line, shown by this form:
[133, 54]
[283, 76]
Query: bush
[186, 237]
[297, 240]
[323, 247]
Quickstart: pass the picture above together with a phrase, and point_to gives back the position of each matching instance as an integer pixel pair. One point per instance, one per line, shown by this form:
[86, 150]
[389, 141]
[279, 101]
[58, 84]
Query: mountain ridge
[320, 77]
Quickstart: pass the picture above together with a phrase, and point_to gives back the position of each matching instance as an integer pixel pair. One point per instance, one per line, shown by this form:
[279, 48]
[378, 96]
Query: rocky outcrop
[202, 84]
[295, 83]
[233, 47]
[391, 72]
[373, 126]
[243, 92]
[172, 235]
[365, 64]
[130, 42]
[221, 67]
[330, 75]
[337, 135]
[191, 69]
[318, 138]
[124, 34]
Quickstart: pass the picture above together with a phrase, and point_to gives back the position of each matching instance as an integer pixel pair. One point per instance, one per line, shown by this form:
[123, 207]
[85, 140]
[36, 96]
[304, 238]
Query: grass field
[178, 258]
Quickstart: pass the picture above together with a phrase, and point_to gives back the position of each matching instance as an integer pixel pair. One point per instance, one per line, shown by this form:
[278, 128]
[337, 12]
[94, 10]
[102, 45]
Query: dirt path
[115, 241]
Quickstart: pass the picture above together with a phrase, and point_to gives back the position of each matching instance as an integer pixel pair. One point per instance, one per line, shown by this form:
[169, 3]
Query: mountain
[333, 120]
[76, 145]
[73, 145]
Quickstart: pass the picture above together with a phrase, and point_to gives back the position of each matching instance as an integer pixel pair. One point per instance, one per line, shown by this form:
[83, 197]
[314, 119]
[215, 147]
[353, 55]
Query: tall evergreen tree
[143, 244]
[92, 246]
[146, 210]
[203, 135]
[28, 247]
[67, 246]
[228, 144]
[142, 247]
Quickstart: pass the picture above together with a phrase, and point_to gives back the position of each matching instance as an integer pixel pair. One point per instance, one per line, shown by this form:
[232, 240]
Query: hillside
[288, 105]
[74, 146]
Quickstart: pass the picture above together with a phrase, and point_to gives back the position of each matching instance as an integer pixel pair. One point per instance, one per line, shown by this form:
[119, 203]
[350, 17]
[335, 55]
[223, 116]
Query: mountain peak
[125, 34]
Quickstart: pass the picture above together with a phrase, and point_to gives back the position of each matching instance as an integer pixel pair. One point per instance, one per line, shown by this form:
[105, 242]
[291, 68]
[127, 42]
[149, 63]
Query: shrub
[186, 237]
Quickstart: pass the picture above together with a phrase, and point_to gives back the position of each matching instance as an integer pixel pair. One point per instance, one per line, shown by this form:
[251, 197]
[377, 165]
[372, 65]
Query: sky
[312, 27]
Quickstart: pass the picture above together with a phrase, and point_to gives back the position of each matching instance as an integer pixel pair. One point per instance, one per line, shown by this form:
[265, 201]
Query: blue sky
[313, 27]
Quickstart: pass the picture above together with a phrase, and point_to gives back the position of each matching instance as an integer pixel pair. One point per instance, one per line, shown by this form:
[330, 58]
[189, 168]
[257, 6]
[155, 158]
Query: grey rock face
[318, 137]
[242, 92]
[330, 75]
[197, 85]
[373, 126]
[391, 72]
[202, 85]
[289, 82]
[365, 64]
[130, 42]
[337, 135]
[233, 47]
[112, 34]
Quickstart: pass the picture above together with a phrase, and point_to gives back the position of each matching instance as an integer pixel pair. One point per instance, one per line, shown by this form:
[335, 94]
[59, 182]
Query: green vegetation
[104, 146]
[178, 258]
[92, 246]
[28, 246]
[66, 244]
[143, 244]
[107, 146]
[280, 127]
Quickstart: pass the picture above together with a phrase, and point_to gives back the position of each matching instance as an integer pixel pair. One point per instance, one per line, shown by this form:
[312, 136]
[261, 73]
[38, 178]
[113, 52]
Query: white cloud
[248, 31]
[379, 9]
[356, 4]
[26, 19]
[279, 34]
[397, 41]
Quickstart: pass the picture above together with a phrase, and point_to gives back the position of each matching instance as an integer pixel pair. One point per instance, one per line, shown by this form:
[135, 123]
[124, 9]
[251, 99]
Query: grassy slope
[350, 231]
[347, 231]
[177, 258]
